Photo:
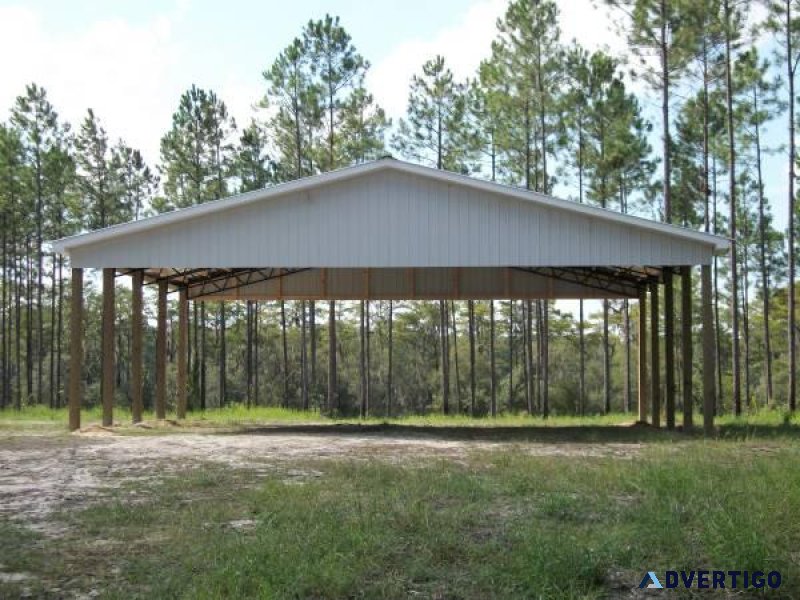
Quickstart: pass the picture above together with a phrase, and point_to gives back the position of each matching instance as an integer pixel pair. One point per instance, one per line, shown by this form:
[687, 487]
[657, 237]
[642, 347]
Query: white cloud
[463, 44]
[468, 41]
[122, 71]
[132, 74]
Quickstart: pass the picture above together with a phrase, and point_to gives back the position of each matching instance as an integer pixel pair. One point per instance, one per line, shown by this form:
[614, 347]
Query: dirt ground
[40, 474]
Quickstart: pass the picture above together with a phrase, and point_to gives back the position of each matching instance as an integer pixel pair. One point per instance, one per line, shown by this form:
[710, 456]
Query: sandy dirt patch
[40, 474]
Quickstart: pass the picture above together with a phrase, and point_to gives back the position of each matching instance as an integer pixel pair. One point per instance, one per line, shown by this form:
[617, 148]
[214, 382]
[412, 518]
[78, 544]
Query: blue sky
[130, 61]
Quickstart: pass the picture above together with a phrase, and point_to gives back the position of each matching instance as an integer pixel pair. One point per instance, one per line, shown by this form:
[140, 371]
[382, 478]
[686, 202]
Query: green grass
[501, 523]
[756, 425]
[501, 526]
[239, 414]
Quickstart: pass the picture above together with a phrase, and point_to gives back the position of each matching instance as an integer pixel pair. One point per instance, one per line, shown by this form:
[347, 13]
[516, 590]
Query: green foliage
[536, 113]
[196, 154]
[434, 131]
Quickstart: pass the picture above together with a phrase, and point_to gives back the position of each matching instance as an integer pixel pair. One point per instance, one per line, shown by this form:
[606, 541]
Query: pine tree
[37, 122]
[434, 131]
[660, 27]
[253, 165]
[12, 197]
[732, 22]
[576, 108]
[757, 104]
[784, 21]
[137, 182]
[196, 163]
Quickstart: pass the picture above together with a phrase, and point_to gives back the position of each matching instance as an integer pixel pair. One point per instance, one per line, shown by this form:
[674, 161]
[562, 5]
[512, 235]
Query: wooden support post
[643, 382]
[107, 380]
[333, 385]
[137, 327]
[655, 371]
[709, 358]
[183, 348]
[669, 346]
[686, 344]
[161, 352]
[76, 350]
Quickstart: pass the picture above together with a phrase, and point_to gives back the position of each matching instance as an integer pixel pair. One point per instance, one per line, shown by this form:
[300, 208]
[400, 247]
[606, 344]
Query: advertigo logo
[712, 580]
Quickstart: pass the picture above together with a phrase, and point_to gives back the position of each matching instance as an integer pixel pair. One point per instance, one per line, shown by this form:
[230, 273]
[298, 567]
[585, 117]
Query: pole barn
[390, 230]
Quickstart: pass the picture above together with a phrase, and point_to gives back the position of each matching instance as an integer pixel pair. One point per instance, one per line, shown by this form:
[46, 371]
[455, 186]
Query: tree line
[540, 112]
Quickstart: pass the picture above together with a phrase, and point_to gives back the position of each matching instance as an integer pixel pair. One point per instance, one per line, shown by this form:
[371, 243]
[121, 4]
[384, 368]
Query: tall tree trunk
[303, 357]
[581, 323]
[362, 363]
[582, 361]
[39, 346]
[492, 360]
[368, 365]
[606, 362]
[52, 349]
[762, 243]
[203, 357]
[445, 356]
[256, 360]
[537, 365]
[471, 327]
[545, 365]
[248, 352]
[18, 331]
[527, 309]
[333, 393]
[29, 342]
[312, 313]
[735, 358]
[3, 310]
[285, 348]
[627, 326]
[717, 330]
[669, 312]
[745, 285]
[791, 67]
[707, 219]
[455, 356]
[223, 357]
[389, 391]
[511, 306]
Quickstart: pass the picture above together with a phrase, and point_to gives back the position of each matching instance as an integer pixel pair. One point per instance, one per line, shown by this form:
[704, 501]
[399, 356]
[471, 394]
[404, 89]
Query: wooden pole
[686, 343]
[161, 352]
[655, 377]
[492, 360]
[107, 381]
[333, 384]
[643, 356]
[183, 346]
[709, 358]
[136, 347]
[76, 349]
[669, 346]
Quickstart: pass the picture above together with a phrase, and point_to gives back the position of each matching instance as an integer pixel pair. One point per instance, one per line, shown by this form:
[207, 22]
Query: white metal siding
[391, 218]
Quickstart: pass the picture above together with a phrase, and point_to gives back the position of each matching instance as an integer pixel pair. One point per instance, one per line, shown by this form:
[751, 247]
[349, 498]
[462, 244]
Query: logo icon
[651, 582]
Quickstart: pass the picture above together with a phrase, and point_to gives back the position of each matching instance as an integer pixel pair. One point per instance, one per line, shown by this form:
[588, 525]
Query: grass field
[271, 504]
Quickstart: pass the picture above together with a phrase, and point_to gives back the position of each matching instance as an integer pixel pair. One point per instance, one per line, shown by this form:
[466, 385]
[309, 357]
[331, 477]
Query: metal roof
[399, 223]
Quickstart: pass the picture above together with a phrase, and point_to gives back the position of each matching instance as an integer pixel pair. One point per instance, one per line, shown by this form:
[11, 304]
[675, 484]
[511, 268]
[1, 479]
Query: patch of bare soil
[40, 475]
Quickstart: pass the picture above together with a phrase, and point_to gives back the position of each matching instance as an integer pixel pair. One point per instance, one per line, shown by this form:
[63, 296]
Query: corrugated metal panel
[392, 218]
[410, 284]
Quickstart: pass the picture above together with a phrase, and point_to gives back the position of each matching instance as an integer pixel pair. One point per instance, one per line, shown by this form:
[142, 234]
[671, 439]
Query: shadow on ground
[630, 433]
[550, 434]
